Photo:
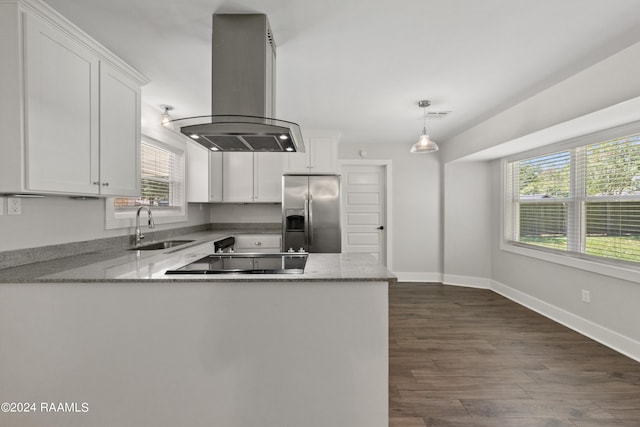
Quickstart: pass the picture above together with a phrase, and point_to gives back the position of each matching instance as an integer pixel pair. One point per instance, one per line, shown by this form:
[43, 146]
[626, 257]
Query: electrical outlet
[14, 206]
[586, 296]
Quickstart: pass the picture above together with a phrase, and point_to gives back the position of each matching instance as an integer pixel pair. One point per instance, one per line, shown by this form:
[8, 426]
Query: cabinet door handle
[258, 243]
[105, 184]
[381, 227]
[96, 182]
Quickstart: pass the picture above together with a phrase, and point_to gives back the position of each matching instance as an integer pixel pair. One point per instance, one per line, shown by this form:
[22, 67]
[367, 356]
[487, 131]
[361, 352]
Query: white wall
[416, 208]
[467, 223]
[612, 316]
[57, 220]
[555, 113]
[246, 213]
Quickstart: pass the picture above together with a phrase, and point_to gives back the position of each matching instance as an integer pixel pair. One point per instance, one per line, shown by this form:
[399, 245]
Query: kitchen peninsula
[144, 348]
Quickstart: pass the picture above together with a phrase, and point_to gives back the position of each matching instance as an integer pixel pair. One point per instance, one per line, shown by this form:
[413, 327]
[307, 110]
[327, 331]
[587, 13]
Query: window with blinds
[584, 200]
[162, 179]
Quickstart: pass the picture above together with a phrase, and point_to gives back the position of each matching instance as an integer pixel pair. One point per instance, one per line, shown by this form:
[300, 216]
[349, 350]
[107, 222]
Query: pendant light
[166, 117]
[424, 144]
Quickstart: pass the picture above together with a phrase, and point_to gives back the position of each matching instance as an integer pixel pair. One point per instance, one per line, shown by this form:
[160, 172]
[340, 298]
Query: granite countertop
[115, 265]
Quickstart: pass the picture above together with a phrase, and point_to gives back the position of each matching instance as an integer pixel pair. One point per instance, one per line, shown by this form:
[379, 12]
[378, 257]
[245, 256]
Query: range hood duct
[242, 91]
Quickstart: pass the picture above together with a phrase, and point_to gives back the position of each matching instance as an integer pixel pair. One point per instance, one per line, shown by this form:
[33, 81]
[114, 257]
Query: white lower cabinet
[258, 243]
[72, 109]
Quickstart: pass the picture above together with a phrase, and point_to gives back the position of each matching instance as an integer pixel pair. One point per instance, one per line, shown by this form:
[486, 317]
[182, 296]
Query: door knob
[381, 227]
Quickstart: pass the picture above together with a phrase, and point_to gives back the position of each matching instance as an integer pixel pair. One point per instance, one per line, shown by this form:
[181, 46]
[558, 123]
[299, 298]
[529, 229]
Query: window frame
[626, 270]
[125, 218]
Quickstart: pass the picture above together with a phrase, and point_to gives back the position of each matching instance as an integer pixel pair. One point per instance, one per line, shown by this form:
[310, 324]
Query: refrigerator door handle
[310, 221]
[306, 222]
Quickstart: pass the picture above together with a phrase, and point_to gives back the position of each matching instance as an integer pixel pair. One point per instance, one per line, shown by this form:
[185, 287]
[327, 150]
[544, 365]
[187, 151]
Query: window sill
[618, 271]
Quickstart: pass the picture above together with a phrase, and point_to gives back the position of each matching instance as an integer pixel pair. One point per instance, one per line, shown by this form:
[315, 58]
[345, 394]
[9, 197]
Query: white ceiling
[361, 66]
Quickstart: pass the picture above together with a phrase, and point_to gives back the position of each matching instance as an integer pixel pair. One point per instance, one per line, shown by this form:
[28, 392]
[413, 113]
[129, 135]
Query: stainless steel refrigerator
[311, 213]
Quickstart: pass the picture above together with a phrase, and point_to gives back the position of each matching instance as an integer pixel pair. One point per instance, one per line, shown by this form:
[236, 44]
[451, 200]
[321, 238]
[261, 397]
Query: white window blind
[584, 200]
[162, 179]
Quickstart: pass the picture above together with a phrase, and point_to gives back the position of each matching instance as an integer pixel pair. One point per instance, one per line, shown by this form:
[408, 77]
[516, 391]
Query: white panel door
[364, 201]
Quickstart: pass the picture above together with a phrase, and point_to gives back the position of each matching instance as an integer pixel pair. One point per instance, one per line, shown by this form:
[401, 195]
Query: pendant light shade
[166, 117]
[424, 144]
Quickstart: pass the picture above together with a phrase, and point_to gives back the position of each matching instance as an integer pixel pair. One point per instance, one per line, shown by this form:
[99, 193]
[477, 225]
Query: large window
[162, 185]
[582, 200]
[162, 178]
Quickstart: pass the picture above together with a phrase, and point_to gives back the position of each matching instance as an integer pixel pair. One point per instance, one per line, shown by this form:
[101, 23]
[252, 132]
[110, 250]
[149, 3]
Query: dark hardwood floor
[469, 357]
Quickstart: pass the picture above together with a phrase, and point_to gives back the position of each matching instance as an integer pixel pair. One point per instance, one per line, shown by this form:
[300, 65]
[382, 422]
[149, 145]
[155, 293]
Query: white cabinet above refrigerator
[320, 156]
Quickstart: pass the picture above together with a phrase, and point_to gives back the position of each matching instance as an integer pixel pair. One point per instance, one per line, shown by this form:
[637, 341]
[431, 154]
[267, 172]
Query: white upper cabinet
[320, 156]
[71, 112]
[234, 177]
[268, 169]
[252, 177]
[204, 174]
[119, 128]
[61, 82]
[237, 177]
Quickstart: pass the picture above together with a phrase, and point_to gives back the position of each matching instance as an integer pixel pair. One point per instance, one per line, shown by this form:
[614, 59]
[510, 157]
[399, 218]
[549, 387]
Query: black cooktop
[244, 263]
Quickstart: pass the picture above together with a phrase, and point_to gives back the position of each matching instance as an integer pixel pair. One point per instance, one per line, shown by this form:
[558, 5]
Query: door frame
[388, 202]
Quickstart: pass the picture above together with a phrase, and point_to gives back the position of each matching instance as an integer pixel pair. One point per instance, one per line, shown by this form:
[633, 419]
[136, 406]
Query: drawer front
[258, 242]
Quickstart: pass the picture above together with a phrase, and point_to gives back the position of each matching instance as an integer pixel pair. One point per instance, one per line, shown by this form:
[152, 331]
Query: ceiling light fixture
[166, 117]
[424, 144]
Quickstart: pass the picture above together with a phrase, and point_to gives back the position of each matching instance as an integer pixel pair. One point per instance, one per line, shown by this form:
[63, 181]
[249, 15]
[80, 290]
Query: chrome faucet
[139, 236]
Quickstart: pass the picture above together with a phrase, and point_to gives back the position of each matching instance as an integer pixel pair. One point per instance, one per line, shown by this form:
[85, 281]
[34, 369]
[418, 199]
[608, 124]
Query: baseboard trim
[466, 281]
[418, 277]
[618, 342]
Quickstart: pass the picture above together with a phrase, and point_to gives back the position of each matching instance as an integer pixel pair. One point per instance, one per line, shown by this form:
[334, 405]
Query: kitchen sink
[160, 245]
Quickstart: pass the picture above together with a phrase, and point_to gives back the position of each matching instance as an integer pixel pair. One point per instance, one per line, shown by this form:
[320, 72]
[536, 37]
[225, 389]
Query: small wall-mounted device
[14, 206]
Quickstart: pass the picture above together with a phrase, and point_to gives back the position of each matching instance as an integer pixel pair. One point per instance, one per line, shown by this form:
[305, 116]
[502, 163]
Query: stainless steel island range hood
[243, 91]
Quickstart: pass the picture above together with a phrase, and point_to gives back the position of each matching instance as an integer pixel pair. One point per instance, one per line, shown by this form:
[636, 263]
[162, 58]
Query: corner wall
[552, 289]
[468, 228]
